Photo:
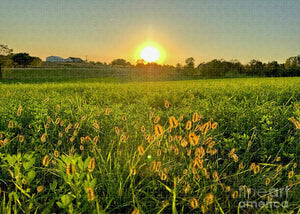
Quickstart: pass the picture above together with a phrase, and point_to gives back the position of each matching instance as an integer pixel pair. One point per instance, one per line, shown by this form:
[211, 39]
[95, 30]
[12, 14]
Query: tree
[35, 62]
[5, 55]
[121, 62]
[255, 67]
[189, 67]
[22, 59]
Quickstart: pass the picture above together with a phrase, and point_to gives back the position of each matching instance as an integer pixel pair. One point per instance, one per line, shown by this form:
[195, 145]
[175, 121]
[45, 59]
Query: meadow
[190, 146]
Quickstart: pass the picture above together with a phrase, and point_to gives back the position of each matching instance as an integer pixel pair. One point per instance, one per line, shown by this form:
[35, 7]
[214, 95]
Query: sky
[104, 30]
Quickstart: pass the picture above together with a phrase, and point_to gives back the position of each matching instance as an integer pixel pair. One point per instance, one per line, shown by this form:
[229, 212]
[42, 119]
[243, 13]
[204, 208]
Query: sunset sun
[150, 54]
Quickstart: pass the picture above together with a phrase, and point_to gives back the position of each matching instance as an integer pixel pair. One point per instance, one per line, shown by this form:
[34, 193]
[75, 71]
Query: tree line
[213, 68]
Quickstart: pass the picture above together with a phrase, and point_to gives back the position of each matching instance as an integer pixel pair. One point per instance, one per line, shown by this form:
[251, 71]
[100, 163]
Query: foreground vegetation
[210, 146]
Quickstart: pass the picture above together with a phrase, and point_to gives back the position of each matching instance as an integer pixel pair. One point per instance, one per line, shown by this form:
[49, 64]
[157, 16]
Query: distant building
[60, 59]
[73, 59]
[55, 59]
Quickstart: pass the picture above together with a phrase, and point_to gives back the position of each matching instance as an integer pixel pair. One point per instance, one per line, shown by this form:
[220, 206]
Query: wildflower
[268, 180]
[10, 124]
[187, 188]
[90, 194]
[208, 199]
[170, 138]
[44, 138]
[163, 176]
[193, 139]
[200, 152]
[107, 111]
[204, 208]
[252, 166]
[158, 152]
[56, 153]
[141, 150]
[291, 174]
[143, 129]
[278, 159]
[176, 151]
[83, 117]
[151, 115]
[88, 138]
[46, 160]
[241, 166]
[235, 194]
[173, 122]
[76, 126]
[214, 125]
[157, 166]
[295, 165]
[235, 158]
[227, 188]
[47, 99]
[197, 162]
[215, 176]
[195, 117]
[132, 170]
[194, 203]
[57, 121]
[279, 167]
[19, 112]
[75, 133]
[184, 143]
[135, 211]
[40, 188]
[206, 126]
[70, 169]
[72, 139]
[167, 104]
[158, 130]
[96, 125]
[21, 138]
[91, 165]
[188, 125]
[124, 118]
[211, 144]
[117, 130]
[157, 118]
[188, 152]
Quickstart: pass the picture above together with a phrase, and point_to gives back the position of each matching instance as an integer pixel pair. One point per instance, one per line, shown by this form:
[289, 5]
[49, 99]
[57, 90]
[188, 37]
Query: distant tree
[272, 69]
[5, 58]
[255, 68]
[35, 62]
[121, 62]
[140, 63]
[22, 59]
[189, 67]
[292, 66]
[190, 62]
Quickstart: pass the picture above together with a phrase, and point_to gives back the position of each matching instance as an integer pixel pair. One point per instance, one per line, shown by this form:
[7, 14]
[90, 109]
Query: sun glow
[150, 54]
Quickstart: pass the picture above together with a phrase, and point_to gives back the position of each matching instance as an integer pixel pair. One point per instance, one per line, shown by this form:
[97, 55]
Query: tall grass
[207, 146]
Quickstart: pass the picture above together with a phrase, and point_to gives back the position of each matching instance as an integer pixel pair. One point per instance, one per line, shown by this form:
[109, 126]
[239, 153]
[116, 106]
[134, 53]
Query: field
[189, 146]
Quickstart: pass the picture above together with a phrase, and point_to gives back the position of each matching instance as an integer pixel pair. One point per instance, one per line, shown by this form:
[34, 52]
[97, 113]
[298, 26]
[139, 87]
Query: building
[55, 59]
[73, 59]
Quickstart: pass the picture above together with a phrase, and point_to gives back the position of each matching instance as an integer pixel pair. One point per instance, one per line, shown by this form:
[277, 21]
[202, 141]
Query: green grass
[143, 171]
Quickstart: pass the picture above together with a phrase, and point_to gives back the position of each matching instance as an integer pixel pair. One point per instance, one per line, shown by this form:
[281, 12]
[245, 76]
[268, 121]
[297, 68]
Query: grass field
[193, 146]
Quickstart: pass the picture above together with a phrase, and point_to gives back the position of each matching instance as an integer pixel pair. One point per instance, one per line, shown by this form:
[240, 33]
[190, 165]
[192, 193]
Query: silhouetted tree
[189, 67]
[5, 58]
[22, 59]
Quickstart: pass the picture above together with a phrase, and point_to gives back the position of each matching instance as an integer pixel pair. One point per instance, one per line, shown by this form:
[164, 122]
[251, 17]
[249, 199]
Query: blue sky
[107, 29]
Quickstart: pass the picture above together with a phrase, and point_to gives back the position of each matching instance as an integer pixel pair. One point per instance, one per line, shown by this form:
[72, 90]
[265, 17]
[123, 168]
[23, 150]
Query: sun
[150, 54]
